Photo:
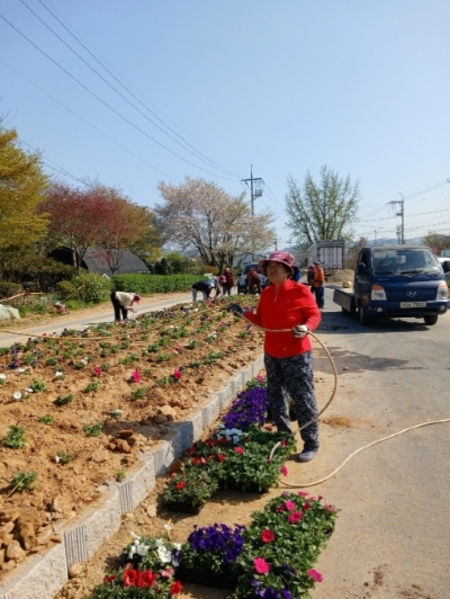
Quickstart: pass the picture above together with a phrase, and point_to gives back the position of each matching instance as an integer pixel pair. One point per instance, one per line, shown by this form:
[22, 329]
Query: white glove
[300, 331]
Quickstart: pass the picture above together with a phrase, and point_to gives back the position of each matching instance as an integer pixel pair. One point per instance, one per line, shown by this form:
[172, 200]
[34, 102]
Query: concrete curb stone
[42, 576]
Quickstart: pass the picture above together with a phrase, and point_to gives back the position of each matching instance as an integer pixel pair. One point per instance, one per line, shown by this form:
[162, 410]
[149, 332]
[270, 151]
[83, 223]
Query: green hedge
[90, 287]
[147, 284]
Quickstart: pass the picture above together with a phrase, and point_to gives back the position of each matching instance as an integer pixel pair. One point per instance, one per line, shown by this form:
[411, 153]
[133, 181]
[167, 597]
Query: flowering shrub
[136, 584]
[157, 554]
[192, 487]
[250, 407]
[213, 548]
[242, 459]
[149, 571]
[281, 546]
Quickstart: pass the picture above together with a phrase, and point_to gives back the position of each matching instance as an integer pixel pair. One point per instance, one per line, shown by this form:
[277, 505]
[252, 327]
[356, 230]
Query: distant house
[95, 261]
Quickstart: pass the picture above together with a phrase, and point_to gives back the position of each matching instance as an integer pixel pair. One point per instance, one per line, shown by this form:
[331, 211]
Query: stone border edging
[42, 576]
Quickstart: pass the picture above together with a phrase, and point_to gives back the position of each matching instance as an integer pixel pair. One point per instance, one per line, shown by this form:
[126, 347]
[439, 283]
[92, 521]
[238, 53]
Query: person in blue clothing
[296, 275]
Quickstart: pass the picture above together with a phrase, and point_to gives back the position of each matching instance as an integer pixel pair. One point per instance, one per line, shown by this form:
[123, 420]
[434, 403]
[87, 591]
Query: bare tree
[200, 216]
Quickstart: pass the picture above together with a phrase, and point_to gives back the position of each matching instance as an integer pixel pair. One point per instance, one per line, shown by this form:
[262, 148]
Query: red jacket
[284, 307]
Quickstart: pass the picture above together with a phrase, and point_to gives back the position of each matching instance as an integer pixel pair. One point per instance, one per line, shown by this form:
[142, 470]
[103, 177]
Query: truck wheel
[363, 318]
[431, 319]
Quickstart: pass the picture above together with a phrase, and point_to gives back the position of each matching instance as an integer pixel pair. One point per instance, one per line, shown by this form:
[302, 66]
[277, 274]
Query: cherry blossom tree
[200, 217]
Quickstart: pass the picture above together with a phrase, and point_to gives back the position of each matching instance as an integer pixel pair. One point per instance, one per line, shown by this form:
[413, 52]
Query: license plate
[413, 304]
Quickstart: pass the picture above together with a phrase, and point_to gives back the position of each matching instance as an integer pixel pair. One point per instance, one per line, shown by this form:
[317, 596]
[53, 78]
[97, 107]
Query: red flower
[283, 470]
[180, 485]
[330, 508]
[239, 450]
[146, 579]
[175, 587]
[97, 371]
[306, 506]
[203, 461]
[295, 517]
[135, 375]
[110, 578]
[130, 578]
[261, 566]
[177, 375]
[221, 457]
[267, 536]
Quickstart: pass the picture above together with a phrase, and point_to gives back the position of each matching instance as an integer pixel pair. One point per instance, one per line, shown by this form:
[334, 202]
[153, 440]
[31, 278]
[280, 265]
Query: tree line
[203, 224]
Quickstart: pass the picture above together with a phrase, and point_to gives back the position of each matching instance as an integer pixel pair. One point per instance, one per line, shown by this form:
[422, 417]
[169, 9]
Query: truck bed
[344, 297]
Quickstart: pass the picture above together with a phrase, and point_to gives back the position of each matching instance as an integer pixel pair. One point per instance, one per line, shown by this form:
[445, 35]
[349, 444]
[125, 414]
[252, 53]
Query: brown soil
[66, 489]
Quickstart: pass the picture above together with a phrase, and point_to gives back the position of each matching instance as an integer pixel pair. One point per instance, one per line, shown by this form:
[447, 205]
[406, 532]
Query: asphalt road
[392, 534]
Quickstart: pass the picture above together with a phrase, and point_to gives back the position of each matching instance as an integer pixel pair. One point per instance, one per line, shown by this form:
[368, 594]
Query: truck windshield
[405, 261]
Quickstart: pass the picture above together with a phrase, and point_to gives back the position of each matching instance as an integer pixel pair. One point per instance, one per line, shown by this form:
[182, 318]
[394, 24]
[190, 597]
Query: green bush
[145, 284]
[90, 287]
[7, 288]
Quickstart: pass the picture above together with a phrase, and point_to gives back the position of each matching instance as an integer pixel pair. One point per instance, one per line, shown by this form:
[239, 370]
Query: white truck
[331, 255]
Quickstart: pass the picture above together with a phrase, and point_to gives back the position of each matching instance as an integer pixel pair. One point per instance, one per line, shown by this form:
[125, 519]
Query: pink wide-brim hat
[283, 257]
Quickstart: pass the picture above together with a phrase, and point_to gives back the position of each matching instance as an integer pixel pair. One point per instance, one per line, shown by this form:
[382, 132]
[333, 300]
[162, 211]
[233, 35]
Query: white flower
[177, 546]
[84, 360]
[168, 527]
[17, 395]
[21, 369]
[59, 373]
[141, 549]
[164, 555]
[131, 552]
[3, 377]
[29, 390]
[57, 459]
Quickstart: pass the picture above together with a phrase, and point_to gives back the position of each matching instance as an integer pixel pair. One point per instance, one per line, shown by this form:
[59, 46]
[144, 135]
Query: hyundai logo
[412, 293]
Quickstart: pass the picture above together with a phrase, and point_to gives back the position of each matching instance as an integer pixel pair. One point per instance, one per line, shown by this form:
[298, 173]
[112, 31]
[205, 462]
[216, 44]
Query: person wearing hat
[288, 306]
[122, 302]
[318, 285]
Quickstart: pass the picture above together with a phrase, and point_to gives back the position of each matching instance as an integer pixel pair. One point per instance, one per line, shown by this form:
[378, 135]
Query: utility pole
[255, 184]
[402, 215]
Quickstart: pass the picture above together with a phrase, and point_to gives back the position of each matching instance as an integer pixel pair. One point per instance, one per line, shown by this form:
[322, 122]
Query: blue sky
[286, 86]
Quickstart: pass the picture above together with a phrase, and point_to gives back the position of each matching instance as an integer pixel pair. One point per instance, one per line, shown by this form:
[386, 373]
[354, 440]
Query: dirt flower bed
[77, 409]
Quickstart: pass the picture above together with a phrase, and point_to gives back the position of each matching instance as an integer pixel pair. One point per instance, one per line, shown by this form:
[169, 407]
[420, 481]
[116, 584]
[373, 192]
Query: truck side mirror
[362, 269]
[446, 266]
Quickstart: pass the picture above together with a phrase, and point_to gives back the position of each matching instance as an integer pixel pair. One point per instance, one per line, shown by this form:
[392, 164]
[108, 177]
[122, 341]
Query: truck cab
[396, 281]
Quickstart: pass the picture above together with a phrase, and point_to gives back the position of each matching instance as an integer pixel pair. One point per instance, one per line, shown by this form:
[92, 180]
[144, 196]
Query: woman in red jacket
[288, 357]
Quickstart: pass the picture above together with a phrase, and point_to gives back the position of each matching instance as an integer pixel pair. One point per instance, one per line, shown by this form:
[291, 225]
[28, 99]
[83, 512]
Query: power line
[105, 103]
[197, 154]
[87, 122]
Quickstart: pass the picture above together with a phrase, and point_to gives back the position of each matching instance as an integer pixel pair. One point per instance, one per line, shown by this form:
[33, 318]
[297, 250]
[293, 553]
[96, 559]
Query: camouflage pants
[296, 376]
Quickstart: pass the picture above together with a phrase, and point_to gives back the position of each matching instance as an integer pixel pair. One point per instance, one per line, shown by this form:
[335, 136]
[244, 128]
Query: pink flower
[168, 573]
[239, 450]
[261, 566]
[284, 470]
[97, 371]
[267, 536]
[177, 375]
[135, 375]
[329, 508]
[302, 493]
[295, 517]
[289, 505]
[315, 575]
